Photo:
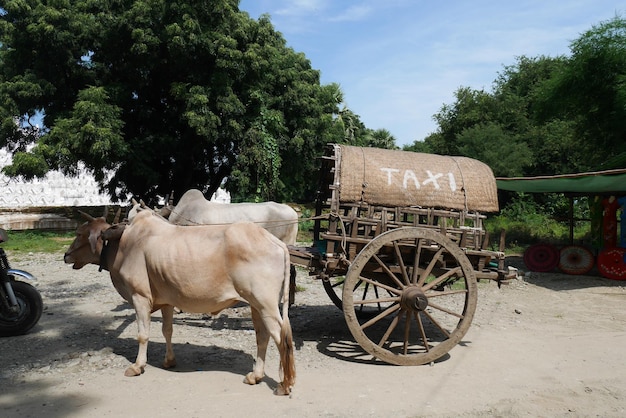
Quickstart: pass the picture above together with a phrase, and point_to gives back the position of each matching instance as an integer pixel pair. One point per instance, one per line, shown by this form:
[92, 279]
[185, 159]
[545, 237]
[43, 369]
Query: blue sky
[399, 61]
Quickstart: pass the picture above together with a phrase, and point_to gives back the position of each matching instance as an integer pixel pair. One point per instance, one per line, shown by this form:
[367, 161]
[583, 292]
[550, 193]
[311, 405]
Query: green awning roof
[598, 182]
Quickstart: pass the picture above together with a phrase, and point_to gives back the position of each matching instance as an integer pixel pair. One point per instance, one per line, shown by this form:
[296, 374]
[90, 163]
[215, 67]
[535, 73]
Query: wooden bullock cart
[399, 245]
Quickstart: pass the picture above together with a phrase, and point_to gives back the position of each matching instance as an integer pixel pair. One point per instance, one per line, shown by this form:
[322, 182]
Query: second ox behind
[156, 265]
[194, 209]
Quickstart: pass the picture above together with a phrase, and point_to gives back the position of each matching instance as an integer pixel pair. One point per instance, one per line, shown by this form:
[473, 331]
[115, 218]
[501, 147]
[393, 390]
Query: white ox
[156, 265]
[279, 219]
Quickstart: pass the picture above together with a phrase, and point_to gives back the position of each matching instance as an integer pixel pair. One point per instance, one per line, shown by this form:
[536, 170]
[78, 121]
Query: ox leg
[280, 331]
[142, 310]
[168, 318]
[262, 340]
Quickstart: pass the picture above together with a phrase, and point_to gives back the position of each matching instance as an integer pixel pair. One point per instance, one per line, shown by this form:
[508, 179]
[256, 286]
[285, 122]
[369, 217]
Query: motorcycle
[20, 302]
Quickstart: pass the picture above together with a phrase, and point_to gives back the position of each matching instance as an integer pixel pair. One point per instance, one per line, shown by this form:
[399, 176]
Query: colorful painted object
[541, 257]
[612, 263]
[596, 211]
[574, 259]
[609, 222]
[622, 224]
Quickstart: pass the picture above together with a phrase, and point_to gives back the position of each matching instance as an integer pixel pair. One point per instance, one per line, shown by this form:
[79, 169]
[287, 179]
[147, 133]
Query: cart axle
[414, 299]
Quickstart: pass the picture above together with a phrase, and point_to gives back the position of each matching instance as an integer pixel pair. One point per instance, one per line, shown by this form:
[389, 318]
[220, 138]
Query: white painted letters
[452, 182]
[410, 175]
[432, 178]
[389, 171]
[411, 180]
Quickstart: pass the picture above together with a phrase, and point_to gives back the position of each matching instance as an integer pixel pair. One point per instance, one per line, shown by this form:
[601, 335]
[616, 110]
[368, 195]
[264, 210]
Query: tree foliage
[590, 91]
[544, 115]
[156, 96]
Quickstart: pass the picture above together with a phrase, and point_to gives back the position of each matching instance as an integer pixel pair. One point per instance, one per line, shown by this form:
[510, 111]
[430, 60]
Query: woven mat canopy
[401, 178]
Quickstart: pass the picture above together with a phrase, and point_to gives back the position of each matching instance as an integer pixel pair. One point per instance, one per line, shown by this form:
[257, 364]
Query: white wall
[53, 190]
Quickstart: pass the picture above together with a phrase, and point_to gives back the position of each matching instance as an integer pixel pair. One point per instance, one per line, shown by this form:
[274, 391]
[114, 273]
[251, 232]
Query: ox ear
[113, 233]
[133, 201]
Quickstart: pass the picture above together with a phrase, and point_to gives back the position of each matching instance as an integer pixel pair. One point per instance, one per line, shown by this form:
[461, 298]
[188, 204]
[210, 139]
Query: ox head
[140, 206]
[137, 207]
[87, 246]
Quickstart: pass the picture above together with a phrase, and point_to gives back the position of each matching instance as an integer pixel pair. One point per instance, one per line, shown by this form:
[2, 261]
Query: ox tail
[287, 361]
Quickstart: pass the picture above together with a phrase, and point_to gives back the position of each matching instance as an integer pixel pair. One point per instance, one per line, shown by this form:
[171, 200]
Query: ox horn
[117, 215]
[133, 201]
[86, 216]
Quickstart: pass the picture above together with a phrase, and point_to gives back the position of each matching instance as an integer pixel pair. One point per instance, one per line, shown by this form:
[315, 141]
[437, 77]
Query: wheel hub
[414, 299]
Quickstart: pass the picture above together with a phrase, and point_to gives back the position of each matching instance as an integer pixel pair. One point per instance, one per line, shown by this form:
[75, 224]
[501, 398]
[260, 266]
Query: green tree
[164, 95]
[545, 115]
[472, 107]
[418, 146]
[354, 132]
[382, 138]
[485, 142]
[505, 127]
[590, 91]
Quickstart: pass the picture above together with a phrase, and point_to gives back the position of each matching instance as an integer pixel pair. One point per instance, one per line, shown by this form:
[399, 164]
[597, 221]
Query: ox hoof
[168, 364]
[133, 371]
[251, 379]
[281, 390]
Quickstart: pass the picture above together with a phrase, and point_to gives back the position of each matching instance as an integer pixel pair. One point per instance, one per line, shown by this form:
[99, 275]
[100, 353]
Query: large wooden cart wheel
[333, 287]
[421, 291]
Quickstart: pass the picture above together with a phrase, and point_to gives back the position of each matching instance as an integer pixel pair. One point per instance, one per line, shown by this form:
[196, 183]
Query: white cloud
[301, 7]
[352, 14]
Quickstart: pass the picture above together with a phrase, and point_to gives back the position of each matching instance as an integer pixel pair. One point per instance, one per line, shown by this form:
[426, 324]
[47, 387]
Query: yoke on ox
[156, 265]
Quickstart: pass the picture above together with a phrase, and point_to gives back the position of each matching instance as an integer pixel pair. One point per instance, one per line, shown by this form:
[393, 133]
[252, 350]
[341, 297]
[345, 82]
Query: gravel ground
[547, 345]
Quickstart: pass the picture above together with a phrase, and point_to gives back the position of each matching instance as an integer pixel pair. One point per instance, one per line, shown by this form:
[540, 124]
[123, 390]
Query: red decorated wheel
[574, 259]
[612, 263]
[541, 257]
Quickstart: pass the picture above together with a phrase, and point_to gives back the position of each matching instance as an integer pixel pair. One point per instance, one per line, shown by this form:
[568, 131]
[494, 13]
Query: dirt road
[549, 345]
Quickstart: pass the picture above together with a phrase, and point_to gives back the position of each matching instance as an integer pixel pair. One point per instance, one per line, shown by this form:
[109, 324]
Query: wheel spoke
[403, 269]
[377, 297]
[441, 278]
[365, 290]
[337, 284]
[389, 272]
[390, 289]
[407, 331]
[442, 309]
[380, 316]
[416, 260]
[430, 267]
[420, 325]
[392, 299]
[437, 324]
[390, 329]
[446, 293]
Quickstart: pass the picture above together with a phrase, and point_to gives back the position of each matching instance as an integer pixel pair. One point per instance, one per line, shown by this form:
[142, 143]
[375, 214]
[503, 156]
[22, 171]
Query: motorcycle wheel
[30, 309]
